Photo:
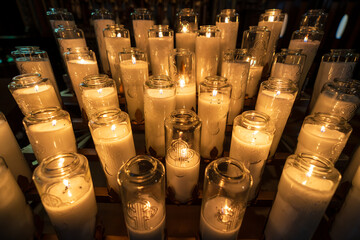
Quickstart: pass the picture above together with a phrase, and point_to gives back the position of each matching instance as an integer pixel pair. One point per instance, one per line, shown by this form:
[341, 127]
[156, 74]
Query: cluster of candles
[205, 73]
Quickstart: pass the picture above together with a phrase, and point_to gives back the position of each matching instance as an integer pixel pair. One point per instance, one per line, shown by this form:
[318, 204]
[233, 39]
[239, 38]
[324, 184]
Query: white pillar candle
[186, 40]
[11, 152]
[70, 43]
[186, 96]
[141, 28]
[182, 172]
[289, 71]
[252, 85]
[160, 48]
[229, 33]
[16, 218]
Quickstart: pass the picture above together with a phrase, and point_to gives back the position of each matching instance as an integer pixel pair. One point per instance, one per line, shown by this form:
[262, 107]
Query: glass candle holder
[142, 184]
[288, 64]
[80, 62]
[323, 135]
[276, 98]
[273, 19]
[308, 39]
[207, 52]
[182, 72]
[213, 103]
[251, 140]
[67, 194]
[182, 172]
[17, 221]
[101, 18]
[11, 151]
[353, 165]
[30, 59]
[134, 73]
[341, 97]
[60, 16]
[227, 183]
[184, 125]
[114, 143]
[50, 132]
[142, 21]
[186, 28]
[159, 102]
[116, 38]
[98, 93]
[69, 38]
[32, 92]
[161, 42]
[314, 18]
[339, 63]
[306, 187]
[235, 67]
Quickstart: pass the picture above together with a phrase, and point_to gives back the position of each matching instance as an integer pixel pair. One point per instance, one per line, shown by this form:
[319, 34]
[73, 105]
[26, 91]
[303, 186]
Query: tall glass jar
[98, 93]
[308, 39]
[30, 59]
[50, 132]
[80, 62]
[185, 125]
[207, 52]
[323, 135]
[235, 67]
[314, 18]
[339, 63]
[60, 16]
[32, 92]
[353, 165]
[213, 103]
[159, 102]
[142, 21]
[306, 187]
[69, 38]
[16, 218]
[102, 18]
[186, 28]
[273, 19]
[67, 194]
[114, 143]
[288, 64]
[341, 97]
[251, 140]
[161, 42]
[182, 72]
[227, 184]
[142, 184]
[134, 73]
[276, 98]
[116, 38]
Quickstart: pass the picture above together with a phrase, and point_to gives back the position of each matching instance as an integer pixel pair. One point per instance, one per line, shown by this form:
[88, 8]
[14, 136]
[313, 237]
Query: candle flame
[254, 136]
[183, 152]
[182, 82]
[271, 18]
[67, 187]
[208, 34]
[322, 129]
[309, 173]
[214, 93]
[226, 20]
[278, 93]
[161, 91]
[118, 35]
[113, 127]
[184, 29]
[133, 59]
[161, 34]
[61, 162]
[99, 90]
[306, 38]
[36, 88]
[53, 122]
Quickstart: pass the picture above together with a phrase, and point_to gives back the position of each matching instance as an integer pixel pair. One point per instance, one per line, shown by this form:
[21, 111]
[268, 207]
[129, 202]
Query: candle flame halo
[99, 90]
[214, 93]
[113, 127]
[271, 18]
[36, 88]
[227, 20]
[184, 29]
[322, 129]
[133, 59]
[53, 122]
[306, 38]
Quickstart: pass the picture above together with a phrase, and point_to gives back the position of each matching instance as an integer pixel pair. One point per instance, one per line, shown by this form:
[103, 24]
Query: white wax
[158, 104]
[213, 111]
[237, 75]
[211, 227]
[99, 26]
[43, 67]
[329, 104]
[141, 28]
[285, 70]
[36, 97]
[186, 97]
[186, 40]
[252, 85]
[182, 176]
[72, 209]
[11, 152]
[353, 166]
[66, 43]
[133, 77]
[299, 205]
[320, 141]
[229, 33]
[252, 147]
[16, 219]
[78, 69]
[115, 145]
[114, 45]
[328, 71]
[278, 107]
[160, 48]
[55, 23]
[97, 100]
[51, 138]
[207, 53]
[309, 48]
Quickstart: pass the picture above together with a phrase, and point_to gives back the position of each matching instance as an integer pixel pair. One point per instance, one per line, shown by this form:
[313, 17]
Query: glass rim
[108, 117]
[47, 114]
[184, 117]
[329, 121]
[281, 84]
[159, 82]
[35, 79]
[224, 176]
[255, 120]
